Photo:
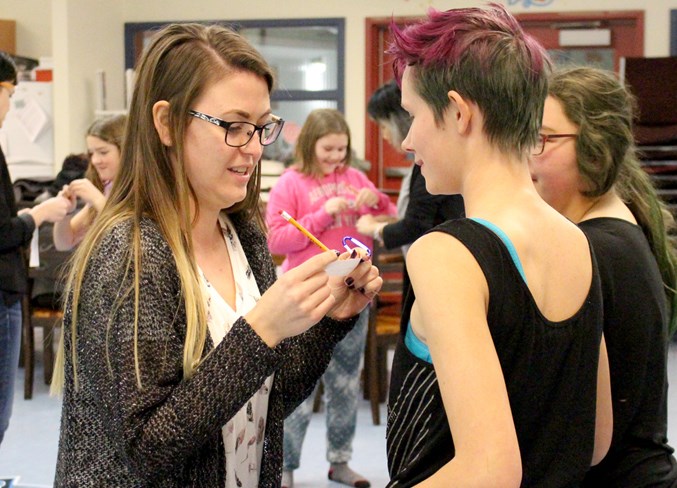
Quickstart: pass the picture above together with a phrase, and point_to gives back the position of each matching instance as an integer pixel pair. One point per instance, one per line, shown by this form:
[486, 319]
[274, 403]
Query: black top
[635, 328]
[424, 211]
[550, 370]
[15, 233]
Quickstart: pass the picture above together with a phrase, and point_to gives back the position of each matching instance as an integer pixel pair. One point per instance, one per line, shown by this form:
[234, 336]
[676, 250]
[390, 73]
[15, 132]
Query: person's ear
[460, 110]
[161, 121]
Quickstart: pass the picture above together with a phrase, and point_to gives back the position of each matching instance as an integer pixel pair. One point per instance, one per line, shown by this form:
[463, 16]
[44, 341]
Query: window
[306, 54]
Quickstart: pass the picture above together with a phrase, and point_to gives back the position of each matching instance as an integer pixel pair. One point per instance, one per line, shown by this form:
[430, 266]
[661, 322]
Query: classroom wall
[87, 35]
[33, 25]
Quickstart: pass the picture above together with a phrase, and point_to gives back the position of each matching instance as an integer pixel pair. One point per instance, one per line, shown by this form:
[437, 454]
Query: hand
[296, 301]
[336, 205]
[366, 224]
[51, 210]
[72, 198]
[353, 292]
[85, 189]
[366, 197]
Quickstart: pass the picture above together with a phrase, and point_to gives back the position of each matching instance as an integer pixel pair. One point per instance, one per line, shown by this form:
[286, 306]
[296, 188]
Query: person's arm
[18, 231]
[306, 358]
[450, 315]
[604, 424]
[284, 238]
[67, 233]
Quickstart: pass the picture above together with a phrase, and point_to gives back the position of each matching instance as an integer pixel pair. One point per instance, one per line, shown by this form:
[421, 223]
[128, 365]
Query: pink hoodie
[303, 198]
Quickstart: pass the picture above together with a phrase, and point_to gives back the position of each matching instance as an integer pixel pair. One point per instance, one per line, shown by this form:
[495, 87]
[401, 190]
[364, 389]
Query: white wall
[89, 35]
[33, 25]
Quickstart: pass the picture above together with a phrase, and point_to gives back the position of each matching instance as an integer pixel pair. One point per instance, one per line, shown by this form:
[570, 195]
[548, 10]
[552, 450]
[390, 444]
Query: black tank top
[550, 370]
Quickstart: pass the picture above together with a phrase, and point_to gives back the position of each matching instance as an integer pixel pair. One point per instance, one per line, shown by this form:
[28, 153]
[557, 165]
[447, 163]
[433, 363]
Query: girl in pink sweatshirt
[327, 196]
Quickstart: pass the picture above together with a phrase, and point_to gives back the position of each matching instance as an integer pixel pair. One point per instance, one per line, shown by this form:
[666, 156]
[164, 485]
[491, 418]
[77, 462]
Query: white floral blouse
[243, 434]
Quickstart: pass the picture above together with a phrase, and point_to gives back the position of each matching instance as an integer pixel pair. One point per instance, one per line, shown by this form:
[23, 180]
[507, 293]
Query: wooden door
[387, 164]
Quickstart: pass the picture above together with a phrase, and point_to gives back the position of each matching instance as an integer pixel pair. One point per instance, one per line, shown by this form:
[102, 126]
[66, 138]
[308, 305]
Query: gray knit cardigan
[168, 432]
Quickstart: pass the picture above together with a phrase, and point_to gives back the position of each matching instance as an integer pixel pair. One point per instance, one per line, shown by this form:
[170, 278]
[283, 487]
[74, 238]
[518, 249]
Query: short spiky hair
[484, 55]
[7, 68]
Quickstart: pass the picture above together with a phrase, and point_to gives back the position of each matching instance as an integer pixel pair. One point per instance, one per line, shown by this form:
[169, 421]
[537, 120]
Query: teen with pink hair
[495, 380]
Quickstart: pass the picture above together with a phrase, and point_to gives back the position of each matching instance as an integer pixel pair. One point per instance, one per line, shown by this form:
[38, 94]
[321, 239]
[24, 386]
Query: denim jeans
[10, 339]
[342, 387]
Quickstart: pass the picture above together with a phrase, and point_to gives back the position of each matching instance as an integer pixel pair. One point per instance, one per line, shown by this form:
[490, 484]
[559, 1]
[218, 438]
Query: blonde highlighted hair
[177, 66]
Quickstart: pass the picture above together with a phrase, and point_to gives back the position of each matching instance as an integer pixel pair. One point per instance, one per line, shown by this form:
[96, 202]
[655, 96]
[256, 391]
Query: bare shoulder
[436, 249]
[440, 263]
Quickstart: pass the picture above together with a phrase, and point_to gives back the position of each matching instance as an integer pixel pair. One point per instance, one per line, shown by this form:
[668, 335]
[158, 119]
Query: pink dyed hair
[484, 55]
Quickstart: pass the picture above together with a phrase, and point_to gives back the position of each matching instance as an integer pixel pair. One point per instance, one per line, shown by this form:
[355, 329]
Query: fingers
[317, 302]
[366, 197]
[365, 278]
[58, 208]
[365, 224]
[314, 265]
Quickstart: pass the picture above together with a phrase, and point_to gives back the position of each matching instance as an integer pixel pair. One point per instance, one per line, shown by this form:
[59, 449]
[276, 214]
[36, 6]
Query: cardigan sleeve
[306, 358]
[16, 232]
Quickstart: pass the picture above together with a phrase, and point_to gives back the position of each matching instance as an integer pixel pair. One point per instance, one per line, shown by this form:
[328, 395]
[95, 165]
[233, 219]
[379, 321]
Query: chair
[41, 307]
[384, 327]
[49, 319]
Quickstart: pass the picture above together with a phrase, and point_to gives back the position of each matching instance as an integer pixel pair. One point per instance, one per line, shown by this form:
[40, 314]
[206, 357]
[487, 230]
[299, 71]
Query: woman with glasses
[181, 355]
[327, 196]
[500, 377]
[587, 168]
[16, 231]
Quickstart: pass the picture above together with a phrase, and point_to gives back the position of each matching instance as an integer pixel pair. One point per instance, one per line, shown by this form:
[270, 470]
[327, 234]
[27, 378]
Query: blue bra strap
[506, 241]
[413, 343]
[416, 346]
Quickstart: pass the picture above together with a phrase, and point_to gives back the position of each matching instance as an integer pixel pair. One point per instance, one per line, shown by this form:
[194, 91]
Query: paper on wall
[32, 118]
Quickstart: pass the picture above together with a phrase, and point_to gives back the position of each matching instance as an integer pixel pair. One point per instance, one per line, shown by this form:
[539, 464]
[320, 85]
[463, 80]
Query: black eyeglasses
[239, 134]
[543, 139]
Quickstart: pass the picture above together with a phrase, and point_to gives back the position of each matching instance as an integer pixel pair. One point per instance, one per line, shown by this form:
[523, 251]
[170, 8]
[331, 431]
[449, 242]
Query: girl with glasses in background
[181, 355]
[594, 178]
